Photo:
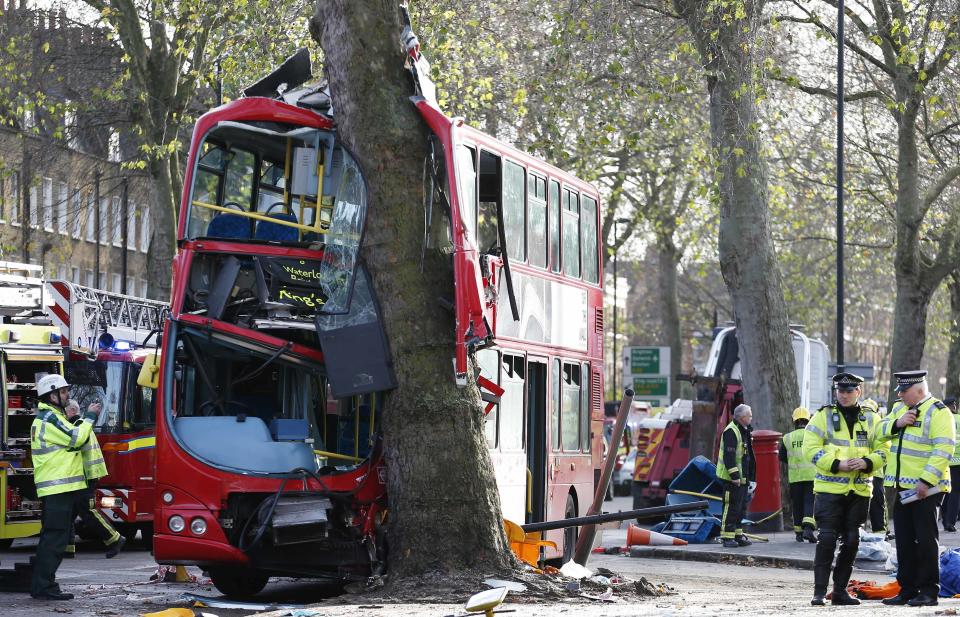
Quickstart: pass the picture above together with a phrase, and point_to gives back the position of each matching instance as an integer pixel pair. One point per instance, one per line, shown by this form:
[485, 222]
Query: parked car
[623, 473]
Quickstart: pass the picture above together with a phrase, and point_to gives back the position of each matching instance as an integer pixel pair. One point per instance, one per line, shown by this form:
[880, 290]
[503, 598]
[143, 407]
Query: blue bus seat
[226, 225]
[275, 232]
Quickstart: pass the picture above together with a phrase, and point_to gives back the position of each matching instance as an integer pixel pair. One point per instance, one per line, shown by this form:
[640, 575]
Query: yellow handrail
[529, 491]
[316, 227]
[336, 455]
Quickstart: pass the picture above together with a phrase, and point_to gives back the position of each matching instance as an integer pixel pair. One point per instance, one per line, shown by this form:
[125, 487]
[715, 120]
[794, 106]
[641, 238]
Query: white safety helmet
[51, 383]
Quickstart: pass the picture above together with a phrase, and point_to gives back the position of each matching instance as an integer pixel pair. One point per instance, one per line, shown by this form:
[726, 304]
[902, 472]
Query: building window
[77, 213]
[117, 218]
[34, 206]
[114, 153]
[131, 287]
[131, 227]
[144, 231]
[116, 283]
[88, 275]
[143, 287]
[102, 284]
[75, 275]
[48, 204]
[15, 198]
[62, 208]
[62, 272]
[104, 231]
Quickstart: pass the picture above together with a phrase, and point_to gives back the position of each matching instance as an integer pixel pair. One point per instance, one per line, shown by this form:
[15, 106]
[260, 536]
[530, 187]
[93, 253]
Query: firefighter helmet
[51, 383]
[801, 413]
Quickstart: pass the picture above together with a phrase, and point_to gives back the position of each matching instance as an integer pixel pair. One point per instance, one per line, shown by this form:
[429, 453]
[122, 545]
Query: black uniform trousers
[56, 529]
[878, 507]
[734, 508]
[838, 518]
[94, 522]
[801, 502]
[917, 546]
[951, 502]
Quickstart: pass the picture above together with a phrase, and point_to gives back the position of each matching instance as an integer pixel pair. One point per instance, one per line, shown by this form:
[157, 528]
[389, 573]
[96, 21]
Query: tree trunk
[953, 353]
[163, 241]
[668, 260]
[747, 259]
[444, 505]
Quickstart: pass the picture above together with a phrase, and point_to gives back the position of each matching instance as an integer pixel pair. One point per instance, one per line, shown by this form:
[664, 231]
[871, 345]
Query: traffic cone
[183, 577]
[637, 536]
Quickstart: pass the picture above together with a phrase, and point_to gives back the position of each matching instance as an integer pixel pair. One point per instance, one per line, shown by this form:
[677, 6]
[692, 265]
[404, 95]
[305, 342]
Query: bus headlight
[176, 524]
[198, 526]
[167, 497]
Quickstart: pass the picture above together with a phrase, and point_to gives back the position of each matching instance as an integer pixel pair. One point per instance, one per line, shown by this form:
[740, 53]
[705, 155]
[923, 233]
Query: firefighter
[922, 434]
[55, 446]
[841, 441]
[800, 472]
[93, 468]
[736, 470]
[878, 501]
[951, 505]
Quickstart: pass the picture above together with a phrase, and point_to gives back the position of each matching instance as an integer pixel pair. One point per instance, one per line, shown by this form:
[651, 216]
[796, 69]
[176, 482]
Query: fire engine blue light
[54, 337]
[122, 346]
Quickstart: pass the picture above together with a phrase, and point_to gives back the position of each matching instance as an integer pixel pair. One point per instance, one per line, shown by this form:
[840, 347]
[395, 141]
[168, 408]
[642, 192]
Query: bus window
[588, 220]
[537, 198]
[514, 213]
[570, 408]
[489, 196]
[571, 234]
[585, 407]
[555, 406]
[553, 216]
[488, 361]
[206, 188]
[99, 381]
[511, 402]
[238, 187]
[467, 177]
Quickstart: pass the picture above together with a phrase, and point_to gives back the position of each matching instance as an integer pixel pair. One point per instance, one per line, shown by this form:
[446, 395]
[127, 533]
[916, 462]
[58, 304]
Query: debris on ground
[511, 585]
[210, 602]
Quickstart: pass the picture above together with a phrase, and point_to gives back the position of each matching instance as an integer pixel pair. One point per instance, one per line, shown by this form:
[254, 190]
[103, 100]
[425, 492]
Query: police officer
[922, 434]
[951, 505]
[878, 501]
[736, 470]
[94, 468]
[800, 473]
[841, 442]
[55, 446]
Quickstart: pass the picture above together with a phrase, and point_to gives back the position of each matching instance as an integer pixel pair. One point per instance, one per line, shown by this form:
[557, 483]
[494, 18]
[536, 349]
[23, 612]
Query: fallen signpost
[614, 516]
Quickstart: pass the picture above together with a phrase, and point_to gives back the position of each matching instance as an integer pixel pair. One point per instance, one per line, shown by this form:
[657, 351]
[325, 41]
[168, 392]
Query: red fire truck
[268, 457]
[107, 339]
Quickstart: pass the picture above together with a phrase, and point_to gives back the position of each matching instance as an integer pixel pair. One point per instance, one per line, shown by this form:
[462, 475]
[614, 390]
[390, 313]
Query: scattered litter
[573, 586]
[644, 587]
[575, 570]
[202, 614]
[606, 596]
[511, 585]
[305, 612]
[62, 609]
[209, 602]
[603, 580]
[171, 612]
[947, 611]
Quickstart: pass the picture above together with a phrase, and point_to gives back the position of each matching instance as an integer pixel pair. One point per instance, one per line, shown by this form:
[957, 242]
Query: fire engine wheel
[238, 583]
[570, 533]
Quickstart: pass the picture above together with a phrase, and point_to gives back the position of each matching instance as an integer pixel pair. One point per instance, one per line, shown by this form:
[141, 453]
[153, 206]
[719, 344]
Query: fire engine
[664, 442]
[29, 349]
[108, 337]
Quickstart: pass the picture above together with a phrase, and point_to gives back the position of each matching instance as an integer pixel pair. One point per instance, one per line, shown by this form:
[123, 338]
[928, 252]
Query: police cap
[908, 379]
[846, 382]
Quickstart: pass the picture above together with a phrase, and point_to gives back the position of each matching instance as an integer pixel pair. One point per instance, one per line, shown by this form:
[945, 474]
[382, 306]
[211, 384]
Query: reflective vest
[955, 459]
[722, 472]
[879, 471]
[55, 446]
[828, 440]
[93, 464]
[921, 451]
[799, 469]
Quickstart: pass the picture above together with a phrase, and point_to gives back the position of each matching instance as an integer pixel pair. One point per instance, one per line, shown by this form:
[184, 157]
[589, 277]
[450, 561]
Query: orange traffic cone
[636, 535]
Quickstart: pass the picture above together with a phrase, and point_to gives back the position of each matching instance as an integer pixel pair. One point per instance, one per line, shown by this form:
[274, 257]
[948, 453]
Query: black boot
[799, 535]
[840, 597]
[821, 576]
[809, 536]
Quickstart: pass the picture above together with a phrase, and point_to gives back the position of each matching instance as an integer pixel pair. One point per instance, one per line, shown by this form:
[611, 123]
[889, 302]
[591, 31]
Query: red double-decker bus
[274, 362]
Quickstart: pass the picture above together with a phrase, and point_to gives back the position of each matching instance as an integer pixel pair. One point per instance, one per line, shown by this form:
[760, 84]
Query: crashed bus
[275, 365]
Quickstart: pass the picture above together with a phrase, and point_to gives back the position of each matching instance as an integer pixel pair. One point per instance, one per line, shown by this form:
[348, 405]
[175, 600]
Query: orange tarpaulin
[870, 590]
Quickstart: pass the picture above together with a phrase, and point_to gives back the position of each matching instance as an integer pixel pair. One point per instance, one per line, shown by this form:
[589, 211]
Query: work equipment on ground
[693, 529]
[638, 536]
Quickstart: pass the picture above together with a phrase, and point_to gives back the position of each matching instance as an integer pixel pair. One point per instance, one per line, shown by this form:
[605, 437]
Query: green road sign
[651, 386]
[646, 361]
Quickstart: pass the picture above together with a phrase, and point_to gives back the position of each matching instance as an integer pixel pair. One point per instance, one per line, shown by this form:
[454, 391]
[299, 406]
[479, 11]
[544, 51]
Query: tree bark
[444, 505]
[953, 352]
[668, 260]
[747, 258]
[163, 241]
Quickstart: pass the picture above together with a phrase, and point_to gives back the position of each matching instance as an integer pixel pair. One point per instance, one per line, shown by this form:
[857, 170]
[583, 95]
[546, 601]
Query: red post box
[766, 499]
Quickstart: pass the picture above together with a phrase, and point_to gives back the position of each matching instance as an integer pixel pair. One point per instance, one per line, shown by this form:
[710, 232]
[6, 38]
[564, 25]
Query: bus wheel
[570, 533]
[238, 583]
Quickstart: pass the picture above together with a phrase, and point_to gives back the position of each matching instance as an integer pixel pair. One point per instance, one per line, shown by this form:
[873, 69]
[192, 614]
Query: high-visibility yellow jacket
[955, 459]
[55, 446]
[93, 464]
[799, 469]
[923, 450]
[879, 471]
[738, 463]
[830, 439]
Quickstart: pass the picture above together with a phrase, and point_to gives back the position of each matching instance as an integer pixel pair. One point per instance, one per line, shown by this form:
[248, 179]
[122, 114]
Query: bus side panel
[511, 474]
